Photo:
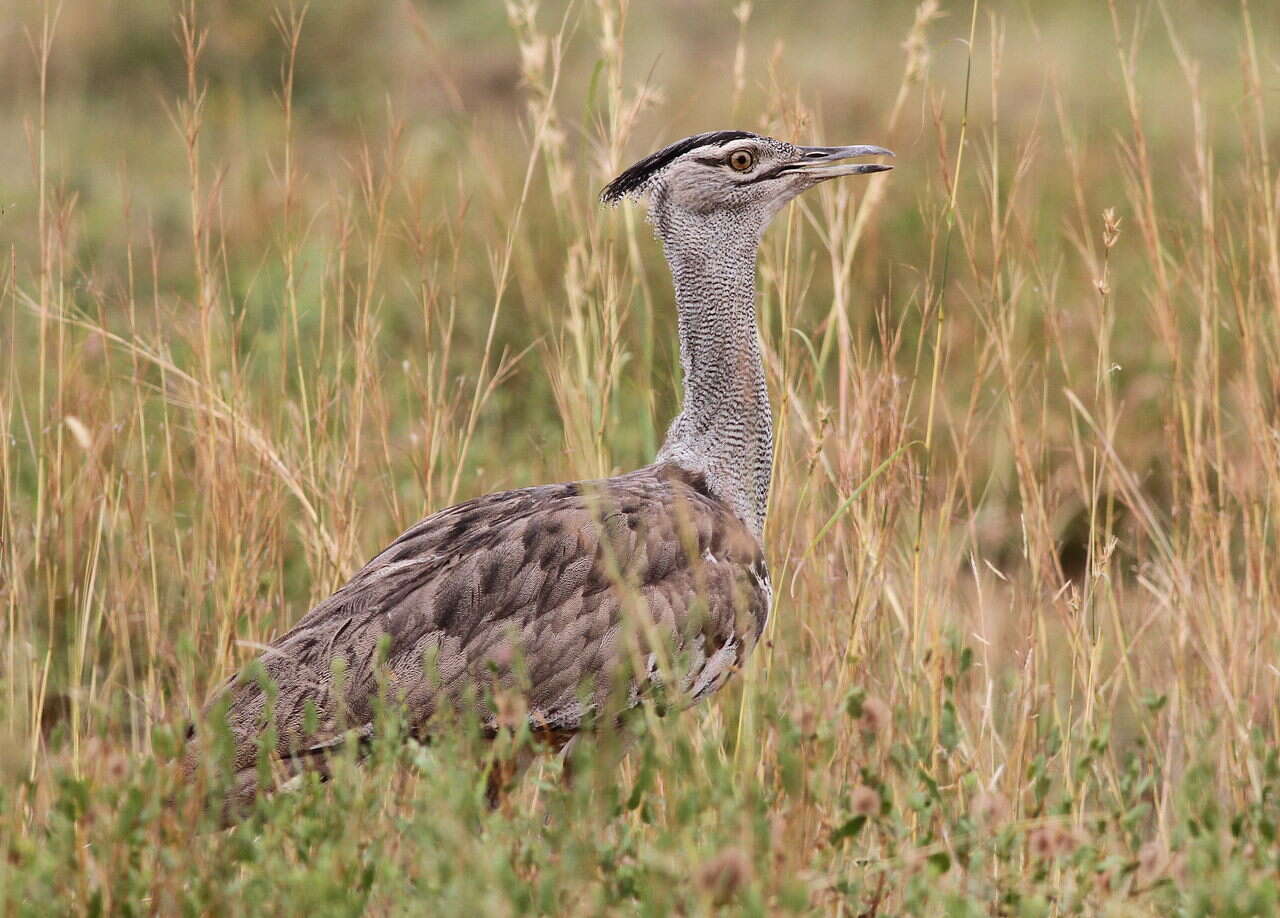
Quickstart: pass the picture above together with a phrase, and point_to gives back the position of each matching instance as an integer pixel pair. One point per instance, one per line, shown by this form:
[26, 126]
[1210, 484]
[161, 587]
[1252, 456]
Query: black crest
[634, 178]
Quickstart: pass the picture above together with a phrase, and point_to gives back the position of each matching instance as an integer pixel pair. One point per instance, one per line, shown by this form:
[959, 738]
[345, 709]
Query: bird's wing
[571, 597]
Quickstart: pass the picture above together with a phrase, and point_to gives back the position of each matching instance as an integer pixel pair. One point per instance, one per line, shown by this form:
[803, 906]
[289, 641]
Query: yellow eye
[741, 160]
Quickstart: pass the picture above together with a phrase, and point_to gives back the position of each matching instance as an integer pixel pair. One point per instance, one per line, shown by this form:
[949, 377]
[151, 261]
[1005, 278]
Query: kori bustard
[582, 598]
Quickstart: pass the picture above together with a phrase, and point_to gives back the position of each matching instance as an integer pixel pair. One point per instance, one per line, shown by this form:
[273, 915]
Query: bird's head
[736, 176]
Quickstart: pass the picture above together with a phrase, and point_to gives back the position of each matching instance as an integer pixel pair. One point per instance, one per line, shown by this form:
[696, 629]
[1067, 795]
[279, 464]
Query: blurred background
[440, 94]
[277, 281]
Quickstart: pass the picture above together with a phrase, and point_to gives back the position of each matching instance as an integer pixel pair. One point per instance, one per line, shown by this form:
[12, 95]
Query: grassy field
[274, 285]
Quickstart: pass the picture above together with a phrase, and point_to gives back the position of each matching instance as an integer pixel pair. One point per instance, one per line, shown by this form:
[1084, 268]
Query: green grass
[275, 286]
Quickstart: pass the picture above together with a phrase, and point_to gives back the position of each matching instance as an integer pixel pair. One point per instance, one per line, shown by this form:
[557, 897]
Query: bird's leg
[608, 750]
[504, 773]
[565, 755]
[506, 770]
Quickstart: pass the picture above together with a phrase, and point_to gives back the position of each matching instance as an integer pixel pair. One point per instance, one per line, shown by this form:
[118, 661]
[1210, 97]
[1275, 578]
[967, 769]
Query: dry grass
[276, 288]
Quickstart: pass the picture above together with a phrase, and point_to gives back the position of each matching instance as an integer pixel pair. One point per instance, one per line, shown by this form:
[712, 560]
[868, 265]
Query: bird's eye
[741, 160]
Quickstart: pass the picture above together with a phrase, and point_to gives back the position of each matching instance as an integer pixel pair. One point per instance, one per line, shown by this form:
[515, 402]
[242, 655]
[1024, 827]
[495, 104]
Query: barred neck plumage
[725, 427]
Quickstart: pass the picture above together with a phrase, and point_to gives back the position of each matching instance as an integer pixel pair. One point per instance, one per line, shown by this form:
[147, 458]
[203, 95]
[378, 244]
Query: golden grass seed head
[865, 801]
[989, 808]
[724, 874]
[875, 716]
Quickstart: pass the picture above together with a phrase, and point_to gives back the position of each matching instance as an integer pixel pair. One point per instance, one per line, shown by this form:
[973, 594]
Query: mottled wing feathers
[554, 592]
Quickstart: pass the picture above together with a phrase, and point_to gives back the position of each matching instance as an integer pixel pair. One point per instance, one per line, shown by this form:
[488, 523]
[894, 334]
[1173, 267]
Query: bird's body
[535, 590]
[581, 598]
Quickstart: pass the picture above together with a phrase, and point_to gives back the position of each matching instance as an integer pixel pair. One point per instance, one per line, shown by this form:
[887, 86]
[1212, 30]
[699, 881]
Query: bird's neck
[725, 429]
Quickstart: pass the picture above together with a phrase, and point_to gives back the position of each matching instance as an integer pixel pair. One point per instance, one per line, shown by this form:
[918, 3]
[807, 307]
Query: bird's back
[569, 595]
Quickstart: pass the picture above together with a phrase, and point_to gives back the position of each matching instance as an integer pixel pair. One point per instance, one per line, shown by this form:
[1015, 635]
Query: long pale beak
[829, 162]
